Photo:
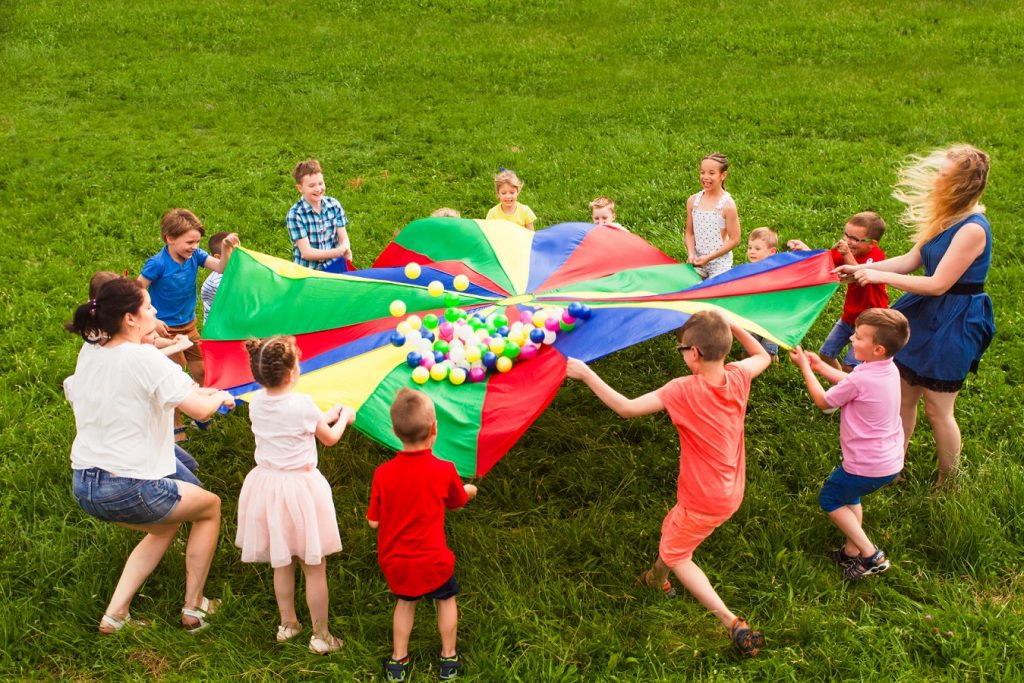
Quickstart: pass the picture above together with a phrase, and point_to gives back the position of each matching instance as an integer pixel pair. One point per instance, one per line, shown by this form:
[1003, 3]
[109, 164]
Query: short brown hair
[217, 241]
[446, 212]
[871, 221]
[98, 279]
[305, 168]
[412, 416]
[177, 222]
[709, 332]
[271, 360]
[892, 331]
[766, 235]
[603, 203]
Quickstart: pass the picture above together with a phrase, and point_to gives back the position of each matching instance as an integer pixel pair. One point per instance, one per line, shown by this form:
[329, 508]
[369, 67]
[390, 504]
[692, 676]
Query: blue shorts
[123, 499]
[771, 347]
[449, 589]
[837, 340]
[842, 488]
[185, 467]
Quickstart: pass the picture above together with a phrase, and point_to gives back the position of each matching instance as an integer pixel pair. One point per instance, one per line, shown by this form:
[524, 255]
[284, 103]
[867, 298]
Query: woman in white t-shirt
[123, 394]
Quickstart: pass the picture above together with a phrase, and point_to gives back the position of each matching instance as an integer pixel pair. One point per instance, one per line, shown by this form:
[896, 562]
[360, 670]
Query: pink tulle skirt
[284, 514]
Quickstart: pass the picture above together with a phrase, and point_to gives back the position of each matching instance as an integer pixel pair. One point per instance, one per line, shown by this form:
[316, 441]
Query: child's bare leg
[405, 613]
[660, 572]
[695, 581]
[195, 368]
[939, 406]
[910, 396]
[848, 519]
[317, 597]
[284, 592]
[448, 625]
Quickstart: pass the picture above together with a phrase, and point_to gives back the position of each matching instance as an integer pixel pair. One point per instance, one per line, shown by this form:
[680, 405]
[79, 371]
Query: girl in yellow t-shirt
[507, 184]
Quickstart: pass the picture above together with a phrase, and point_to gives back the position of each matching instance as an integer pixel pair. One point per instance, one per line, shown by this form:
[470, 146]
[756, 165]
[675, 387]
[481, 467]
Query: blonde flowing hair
[937, 201]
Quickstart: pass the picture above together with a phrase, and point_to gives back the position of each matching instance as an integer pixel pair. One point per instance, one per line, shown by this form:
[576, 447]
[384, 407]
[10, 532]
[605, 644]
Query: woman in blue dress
[951, 321]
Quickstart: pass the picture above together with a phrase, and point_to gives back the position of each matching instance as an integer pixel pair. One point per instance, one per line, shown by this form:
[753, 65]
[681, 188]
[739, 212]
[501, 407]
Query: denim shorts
[449, 589]
[842, 488]
[837, 340]
[123, 499]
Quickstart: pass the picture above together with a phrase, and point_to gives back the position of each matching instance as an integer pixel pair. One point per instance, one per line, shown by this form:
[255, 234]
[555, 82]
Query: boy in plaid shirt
[316, 223]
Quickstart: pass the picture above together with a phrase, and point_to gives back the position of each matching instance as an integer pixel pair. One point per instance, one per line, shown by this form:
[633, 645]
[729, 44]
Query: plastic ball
[442, 346]
[551, 324]
[425, 347]
[435, 288]
[461, 283]
[490, 358]
[527, 352]
[438, 356]
[502, 331]
[537, 335]
[500, 320]
[497, 345]
[473, 354]
[503, 364]
[403, 328]
[457, 354]
[412, 270]
[526, 317]
[439, 372]
[550, 337]
[512, 350]
[567, 318]
[430, 321]
[428, 360]
[574, 309]
[420, 375]
[397, 339]
[427, 334]
[452, 314]
[517, 336]
[415, 322]
[413, 359]
[397, 308]
[451, 299]
[477, 374]
[446, 330]
[584, 313]
[457, 376]
[538, 318]
[566, 327]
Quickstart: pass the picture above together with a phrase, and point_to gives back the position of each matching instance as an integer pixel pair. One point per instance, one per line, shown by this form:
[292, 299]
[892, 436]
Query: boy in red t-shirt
[408, 499]
[858, 245]
[708, 409]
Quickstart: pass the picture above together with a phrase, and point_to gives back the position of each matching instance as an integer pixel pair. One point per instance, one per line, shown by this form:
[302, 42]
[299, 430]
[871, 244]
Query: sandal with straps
[325, 645]
[110, 624]
[286, 632]
[748, 641]
[200, 612]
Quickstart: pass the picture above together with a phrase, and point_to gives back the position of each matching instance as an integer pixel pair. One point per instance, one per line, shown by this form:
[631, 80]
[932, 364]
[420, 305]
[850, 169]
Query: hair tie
[502, 169]
[92, 306]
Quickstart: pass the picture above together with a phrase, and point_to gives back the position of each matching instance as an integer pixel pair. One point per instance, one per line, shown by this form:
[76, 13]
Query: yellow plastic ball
[397, 308]
[457, 376]
[539, 318]
[472, 353]
[461, 282]
[404, 327]
[438, 371]
[412, 270]
[504, 364]
[420, 375]
[435, 288]
[415, 322]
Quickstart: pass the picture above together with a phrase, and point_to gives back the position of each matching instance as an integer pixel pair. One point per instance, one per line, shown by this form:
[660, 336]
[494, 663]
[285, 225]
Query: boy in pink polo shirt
[870, 430]
[409, 496]
[708, 409]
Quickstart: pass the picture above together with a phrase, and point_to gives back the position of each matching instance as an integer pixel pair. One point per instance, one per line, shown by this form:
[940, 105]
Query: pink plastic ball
[477, 374]
[551, 324]
[527, 352]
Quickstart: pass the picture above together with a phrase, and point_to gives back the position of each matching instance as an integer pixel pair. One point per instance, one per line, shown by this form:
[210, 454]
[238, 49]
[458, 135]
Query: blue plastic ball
[438, 356]
[503, 330]
[490, 359]
[584, 313]
[537, 335]
[427, 334]
[413, 359]
[574, 309]
[397, 339]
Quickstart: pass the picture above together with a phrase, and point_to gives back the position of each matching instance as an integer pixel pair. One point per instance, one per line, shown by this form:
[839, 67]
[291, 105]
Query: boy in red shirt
[407, 503]
[858, 245]
[708, 409]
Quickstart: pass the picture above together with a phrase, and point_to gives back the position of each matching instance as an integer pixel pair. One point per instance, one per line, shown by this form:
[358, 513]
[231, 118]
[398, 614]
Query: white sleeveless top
[707, 234]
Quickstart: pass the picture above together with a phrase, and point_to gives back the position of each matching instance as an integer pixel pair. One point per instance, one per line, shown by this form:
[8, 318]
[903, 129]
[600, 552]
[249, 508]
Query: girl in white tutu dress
[285, 510]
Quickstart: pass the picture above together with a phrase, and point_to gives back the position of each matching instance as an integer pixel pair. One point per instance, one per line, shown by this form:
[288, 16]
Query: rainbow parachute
[344, 326]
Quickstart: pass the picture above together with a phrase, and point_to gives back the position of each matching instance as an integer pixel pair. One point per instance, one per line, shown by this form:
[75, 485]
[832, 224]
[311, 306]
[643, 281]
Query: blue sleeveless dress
[948, 333]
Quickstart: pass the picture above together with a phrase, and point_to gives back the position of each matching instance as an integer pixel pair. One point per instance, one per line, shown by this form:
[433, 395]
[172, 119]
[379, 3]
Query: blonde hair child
[508, 186]
[285, 510]
[602, 212]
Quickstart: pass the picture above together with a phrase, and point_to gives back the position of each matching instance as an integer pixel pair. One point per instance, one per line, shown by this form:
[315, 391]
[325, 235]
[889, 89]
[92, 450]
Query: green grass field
[115, 112]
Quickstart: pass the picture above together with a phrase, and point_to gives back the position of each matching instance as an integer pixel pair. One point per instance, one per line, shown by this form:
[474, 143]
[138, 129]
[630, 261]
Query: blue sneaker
[867, 566]
[450, 667]
[396, 670]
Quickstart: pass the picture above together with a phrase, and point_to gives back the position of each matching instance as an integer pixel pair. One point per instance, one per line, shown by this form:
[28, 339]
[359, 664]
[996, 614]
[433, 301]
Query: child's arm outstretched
[332, 425]
[218, 265]
[759, 359]
[625, 407]
[809, 362]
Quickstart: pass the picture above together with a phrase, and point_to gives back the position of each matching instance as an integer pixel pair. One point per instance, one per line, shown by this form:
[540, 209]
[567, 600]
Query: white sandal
[110, 624]
[324, 646]
[286, 632]
[205, 608]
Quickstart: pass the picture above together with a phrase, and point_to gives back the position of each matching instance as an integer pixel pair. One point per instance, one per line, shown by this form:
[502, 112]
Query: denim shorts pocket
[126, 500]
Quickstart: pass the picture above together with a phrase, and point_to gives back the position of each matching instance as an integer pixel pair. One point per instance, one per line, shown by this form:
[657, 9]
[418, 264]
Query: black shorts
[448, 589]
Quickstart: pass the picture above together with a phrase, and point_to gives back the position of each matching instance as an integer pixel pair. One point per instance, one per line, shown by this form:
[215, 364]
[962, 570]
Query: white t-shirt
[285, 430]
[124, 399]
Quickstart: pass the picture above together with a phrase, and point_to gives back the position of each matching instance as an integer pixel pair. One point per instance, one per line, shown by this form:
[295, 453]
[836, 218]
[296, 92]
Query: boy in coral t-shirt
[708, 409]
[408, 500]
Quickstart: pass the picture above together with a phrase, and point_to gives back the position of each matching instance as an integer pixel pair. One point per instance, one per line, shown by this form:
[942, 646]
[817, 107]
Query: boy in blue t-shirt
[170, 276]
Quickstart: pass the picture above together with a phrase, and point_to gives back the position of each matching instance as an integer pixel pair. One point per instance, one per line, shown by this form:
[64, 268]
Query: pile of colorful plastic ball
[463, 347]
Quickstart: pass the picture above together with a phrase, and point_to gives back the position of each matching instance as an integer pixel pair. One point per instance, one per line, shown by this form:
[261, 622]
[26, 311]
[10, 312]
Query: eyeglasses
[681, 348]
[855, 240]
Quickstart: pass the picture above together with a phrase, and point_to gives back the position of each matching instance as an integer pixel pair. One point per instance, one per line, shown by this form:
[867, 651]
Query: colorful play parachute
[345, 327]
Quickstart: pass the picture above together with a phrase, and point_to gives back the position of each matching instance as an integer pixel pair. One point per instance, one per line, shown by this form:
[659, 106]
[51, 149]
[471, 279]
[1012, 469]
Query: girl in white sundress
[712, 223]
[286, 513]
